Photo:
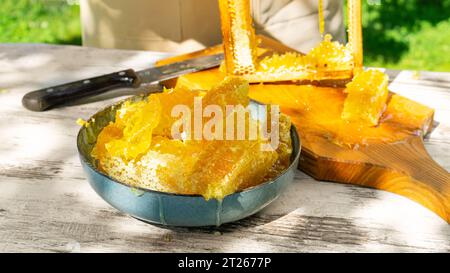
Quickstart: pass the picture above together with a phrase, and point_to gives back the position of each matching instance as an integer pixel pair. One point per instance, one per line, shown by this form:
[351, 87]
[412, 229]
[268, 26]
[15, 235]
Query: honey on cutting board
[347, 117]
[316, 112]
[364, 135]
[390, 156]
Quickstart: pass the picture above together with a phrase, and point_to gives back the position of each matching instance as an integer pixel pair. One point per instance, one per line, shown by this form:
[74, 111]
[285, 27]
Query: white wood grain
[46, 204]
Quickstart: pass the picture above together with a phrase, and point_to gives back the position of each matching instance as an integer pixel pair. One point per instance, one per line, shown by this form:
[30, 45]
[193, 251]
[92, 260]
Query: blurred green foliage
[40, 21]
[401, 34]
[407, 34]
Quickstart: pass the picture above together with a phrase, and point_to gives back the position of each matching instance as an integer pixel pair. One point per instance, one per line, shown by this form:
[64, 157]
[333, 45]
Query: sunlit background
[400, 34]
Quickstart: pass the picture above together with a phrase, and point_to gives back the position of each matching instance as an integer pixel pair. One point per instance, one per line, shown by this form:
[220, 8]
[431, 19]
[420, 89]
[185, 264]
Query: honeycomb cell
[227, 166]
[239, 40]
[366, 99]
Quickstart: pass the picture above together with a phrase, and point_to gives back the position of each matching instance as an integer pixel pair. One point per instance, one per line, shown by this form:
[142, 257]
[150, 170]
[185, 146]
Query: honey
[327, 61]
[366, 99]
[138, 148]
[136, 122]
[168, 99]
[316, 123]
[304, 104]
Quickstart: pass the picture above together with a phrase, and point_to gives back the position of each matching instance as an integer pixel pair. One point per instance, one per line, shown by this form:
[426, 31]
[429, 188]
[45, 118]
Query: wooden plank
[46, 204]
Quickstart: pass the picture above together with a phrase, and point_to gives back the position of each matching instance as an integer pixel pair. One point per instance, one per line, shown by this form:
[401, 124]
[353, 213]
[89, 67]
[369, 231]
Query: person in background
[188, 25]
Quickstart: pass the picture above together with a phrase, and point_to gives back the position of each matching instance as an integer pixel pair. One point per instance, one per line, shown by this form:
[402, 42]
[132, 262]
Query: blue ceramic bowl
[176, 209]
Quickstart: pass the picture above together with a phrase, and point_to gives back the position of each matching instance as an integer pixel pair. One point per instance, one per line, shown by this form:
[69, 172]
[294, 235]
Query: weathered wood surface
[47, 205]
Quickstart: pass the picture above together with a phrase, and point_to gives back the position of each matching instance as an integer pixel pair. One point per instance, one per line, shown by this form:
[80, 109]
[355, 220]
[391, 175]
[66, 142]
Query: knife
[46, 98]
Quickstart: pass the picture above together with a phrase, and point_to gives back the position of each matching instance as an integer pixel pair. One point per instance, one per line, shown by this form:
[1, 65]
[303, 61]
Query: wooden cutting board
[389, 157]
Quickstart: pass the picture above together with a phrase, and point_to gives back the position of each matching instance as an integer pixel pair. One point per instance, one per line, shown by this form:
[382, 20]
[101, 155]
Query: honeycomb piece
[130, 135]
[131, 150]
[168, 165]
[227, 166]
[410, 114]
[231, 91]
[169, 99]
[239, 40]
[109, 133]
[126, 111]
[366, 99]
[329, 55]
[328, 60]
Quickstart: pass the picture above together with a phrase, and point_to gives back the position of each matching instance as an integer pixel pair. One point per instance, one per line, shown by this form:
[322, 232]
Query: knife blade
[43, 99]
[173, 70]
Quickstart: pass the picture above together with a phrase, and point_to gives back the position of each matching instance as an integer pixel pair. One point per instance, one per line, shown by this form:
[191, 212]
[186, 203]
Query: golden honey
[328, 60]
[138, 149]
[366, 98]
[304, 104]
[239, 40]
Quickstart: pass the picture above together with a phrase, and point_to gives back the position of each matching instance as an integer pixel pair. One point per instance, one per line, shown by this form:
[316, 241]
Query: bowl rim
[293, 134]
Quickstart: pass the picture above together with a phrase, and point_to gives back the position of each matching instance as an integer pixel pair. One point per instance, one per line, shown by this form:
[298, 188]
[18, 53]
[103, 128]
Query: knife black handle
[43, 99]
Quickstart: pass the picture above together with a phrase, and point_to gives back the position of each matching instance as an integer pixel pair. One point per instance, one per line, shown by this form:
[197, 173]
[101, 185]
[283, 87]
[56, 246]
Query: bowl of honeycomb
[135, 162]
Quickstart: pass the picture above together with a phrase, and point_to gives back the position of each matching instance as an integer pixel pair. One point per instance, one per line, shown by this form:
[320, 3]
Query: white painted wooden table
[47, 205]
